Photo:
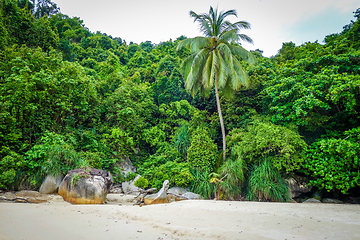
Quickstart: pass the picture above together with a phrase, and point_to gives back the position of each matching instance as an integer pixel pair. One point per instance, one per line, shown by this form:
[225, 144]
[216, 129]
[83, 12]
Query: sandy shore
[200, 219]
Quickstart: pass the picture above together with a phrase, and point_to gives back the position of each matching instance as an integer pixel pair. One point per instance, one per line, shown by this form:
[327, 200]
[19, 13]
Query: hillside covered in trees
[72, 98]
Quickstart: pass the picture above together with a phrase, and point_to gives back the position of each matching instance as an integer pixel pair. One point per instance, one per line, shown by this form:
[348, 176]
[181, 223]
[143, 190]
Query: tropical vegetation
[72, 98]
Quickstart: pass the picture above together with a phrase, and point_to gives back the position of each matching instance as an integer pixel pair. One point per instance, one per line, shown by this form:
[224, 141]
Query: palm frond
[242, 25]
[242, 53]
[184, 43]
[199, 43]
[222, 71]
[229, 36]
[185, 66]
[214, 69]
[242, 77]
[207, 68]
[246, 38]
[195, 71]
[231, 12]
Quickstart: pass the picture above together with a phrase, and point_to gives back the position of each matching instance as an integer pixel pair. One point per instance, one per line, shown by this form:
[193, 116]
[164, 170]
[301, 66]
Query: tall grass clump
[267, 184]
[201, 184]
[234, 176]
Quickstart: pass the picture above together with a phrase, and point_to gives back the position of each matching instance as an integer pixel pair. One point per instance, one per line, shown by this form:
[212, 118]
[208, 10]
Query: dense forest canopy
[72, 98]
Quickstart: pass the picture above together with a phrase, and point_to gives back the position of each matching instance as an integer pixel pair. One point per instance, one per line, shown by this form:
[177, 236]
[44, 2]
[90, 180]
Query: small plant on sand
[141, 182]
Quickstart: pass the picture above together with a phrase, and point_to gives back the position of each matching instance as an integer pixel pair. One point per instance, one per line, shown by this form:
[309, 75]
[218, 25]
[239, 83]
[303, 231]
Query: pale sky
[272, 21]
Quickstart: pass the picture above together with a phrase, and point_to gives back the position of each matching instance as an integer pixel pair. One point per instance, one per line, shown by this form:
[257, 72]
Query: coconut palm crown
[214, 59]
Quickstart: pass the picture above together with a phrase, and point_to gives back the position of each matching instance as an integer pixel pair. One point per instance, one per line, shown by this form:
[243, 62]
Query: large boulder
[85, 186]
[129, 187]
[51, 184]
[160, 197]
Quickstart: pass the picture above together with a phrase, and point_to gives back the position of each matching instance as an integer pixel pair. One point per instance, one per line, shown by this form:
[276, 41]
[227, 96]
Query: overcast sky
[272, 21]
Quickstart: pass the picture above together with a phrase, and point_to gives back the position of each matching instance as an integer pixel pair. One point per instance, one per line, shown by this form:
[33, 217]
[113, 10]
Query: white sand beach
[193, 219]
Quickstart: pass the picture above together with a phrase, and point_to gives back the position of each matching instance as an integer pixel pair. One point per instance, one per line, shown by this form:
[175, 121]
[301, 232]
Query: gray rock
[330, 200]
[177, 190]
[85, 186]
[298, 186]
[191, 196]
[312, 200]
[51, 184]
[129, 187]
[126, 165]
[160, 197]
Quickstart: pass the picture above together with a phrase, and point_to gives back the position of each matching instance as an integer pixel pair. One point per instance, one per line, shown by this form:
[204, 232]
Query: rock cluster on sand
[179, 194]
[85, 186]
[160, 197]
[165, 195]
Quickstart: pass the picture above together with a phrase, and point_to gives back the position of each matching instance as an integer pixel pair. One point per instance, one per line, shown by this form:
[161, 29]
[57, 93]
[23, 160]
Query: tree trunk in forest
[220, 116]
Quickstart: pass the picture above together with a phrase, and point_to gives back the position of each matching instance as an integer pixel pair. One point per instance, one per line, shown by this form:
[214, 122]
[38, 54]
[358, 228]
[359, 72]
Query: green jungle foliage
[72, 98]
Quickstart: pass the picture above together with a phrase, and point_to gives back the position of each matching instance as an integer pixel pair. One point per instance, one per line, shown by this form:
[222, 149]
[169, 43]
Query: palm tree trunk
[220, 117]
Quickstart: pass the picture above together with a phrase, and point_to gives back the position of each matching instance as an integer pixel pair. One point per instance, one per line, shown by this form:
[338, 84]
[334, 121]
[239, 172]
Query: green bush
[334, 163]
[141, 182]
[54, 155]
[262, 138]
[178, 174]
[10, 164]
[118, 177]
[202, 153]
[130, 176]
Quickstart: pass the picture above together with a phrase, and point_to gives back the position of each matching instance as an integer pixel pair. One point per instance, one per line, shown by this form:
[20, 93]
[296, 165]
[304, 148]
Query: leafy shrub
[130, 176]
[267, 184]
[334, 163]
[141, 182]
[177, 173]
[261, 139]
[54, 155]
[94, 159]
[118, 177]
[10, 164]
[202, 152]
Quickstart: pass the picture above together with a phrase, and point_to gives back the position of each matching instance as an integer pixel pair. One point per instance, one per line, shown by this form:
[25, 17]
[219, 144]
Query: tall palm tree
[214, 59]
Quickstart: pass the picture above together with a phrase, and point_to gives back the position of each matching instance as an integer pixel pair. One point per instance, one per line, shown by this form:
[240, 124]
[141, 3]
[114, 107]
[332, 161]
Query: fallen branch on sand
[15, 199]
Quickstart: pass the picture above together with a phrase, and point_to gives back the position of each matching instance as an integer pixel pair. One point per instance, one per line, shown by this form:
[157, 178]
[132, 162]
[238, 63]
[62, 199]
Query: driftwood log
[17, 199]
